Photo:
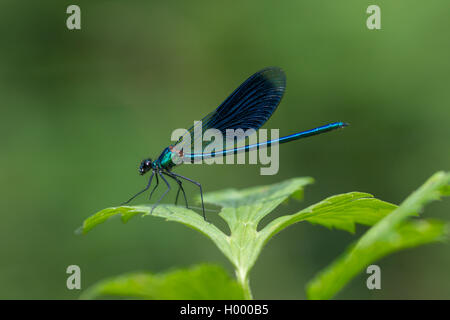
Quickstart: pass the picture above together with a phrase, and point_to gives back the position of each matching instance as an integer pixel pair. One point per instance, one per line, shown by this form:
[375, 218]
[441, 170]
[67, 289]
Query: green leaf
[390, 234]
[244, 209]
[169, 212]
[341, 212]
[202, 282]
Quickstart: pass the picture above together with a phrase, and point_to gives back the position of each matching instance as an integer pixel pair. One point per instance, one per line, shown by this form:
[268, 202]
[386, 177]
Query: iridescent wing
[248, 107]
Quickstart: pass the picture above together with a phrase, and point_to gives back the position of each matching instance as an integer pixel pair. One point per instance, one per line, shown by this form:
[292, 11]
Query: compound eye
[147, 163]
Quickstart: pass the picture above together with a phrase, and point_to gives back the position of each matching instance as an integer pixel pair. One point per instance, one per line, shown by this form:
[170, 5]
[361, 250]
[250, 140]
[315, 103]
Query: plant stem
[245, 284]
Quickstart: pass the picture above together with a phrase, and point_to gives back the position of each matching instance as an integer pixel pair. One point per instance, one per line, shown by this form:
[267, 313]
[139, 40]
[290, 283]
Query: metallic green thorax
[164, 161]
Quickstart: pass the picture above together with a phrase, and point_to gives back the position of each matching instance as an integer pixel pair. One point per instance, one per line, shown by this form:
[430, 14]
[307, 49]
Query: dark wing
[248, 107]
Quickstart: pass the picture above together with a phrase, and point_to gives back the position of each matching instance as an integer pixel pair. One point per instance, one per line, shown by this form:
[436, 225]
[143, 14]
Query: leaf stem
[242, 278]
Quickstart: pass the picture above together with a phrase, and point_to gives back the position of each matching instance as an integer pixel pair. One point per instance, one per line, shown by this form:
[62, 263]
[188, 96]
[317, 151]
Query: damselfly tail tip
[343, 124]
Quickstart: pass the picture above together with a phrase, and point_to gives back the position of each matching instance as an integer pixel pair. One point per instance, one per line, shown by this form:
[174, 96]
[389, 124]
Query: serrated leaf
[341, 212]
[244, 209]
[202, 282]
[390, 234]
[170, 213]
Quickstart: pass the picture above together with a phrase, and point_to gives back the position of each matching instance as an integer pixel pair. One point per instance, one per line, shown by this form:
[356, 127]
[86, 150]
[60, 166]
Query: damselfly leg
[180, 188]
[164, 194]
[198, 185]
[154, 188]
[146, 188]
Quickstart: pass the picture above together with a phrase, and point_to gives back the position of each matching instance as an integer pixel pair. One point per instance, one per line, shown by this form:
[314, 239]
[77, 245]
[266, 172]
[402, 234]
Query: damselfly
[248, 107]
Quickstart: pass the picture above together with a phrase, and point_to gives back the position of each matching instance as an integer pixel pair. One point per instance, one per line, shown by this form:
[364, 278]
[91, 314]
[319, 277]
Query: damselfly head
[145, 166]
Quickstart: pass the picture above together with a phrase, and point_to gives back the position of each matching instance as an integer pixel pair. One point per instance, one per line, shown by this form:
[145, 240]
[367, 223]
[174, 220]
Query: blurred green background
[80, 109]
